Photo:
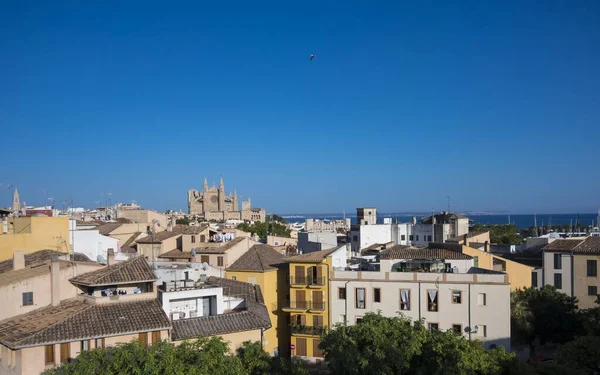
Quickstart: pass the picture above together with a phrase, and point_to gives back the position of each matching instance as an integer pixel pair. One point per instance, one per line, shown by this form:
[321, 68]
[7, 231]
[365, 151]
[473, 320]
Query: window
[359, 319]
[410, 237]
[432, 300]
[220, 261]
[404, 299]
[316, 351]
[155, 337]
[300, 346]
[377, 295]
[433, 327]
[100, 343]
[341, 293]
[481, 299]
[456, 296]
[233, 278]
[49, 350]
[403, 237]
[343, 319]
[428, 238]
[475, 261]
[204, 259]
[360, 298]
[557, 262]
[483, 330]
[592, 290]
[143, 337]
[355, 238]
[85, 345]
[317, 321]
[457, 328]
[202, 238]
[65, 352]
[417, 237]
[592, 268]
[558, 280]
[27, 298]
[193, 239]
[534, 279]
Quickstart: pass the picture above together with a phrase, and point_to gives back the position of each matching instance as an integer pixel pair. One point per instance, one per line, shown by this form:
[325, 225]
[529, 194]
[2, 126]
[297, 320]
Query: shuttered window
[300, 346]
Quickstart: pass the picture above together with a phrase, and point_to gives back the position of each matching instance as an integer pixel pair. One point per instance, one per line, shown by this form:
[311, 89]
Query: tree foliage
[183, 221]
[545, 314]
[276, 218]
[506, 234]
[380, 345]
[582, 354]
[261, 229]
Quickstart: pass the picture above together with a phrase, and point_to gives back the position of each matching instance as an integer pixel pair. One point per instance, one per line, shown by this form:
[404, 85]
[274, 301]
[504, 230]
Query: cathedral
[214, 204]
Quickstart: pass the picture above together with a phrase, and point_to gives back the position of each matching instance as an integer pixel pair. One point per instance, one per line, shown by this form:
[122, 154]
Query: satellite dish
[205, 266]
[101, 259]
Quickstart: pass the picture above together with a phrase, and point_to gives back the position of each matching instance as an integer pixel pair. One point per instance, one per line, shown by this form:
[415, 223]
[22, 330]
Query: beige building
[571, 265]
[149, 217]
[31, 234]
[48, 336]
[214, 204]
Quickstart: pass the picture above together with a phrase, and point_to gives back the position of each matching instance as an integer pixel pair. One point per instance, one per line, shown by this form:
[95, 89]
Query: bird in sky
[311, 57]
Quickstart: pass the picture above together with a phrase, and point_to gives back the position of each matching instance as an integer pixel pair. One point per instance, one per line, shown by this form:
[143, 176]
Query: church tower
[221, 195]
[205, 185]
[16, 206]
[235, 202]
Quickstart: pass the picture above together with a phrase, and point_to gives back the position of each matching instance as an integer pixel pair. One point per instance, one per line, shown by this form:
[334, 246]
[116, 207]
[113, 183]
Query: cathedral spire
[221, 184]
[16, 204]
[205, 184]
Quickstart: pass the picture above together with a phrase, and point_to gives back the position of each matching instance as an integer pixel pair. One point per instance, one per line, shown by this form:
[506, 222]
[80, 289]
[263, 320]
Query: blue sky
[493, 103]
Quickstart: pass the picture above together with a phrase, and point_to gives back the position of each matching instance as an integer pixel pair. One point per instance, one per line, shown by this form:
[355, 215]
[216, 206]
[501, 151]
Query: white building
[183, 299]
[309, 242]
[415, 234]
[89, 241]
[475, 304]
[316, 225]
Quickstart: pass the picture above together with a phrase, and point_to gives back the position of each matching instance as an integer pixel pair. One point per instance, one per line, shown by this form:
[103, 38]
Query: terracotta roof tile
[219, 249]
[176, 254]
[469, 235]
[158, 237]
[188, 229]
[409, 252]
[108, 228]
[75, 320]
[131, 271]
[314, 257]
[130, 241]
[589, 245]
[42, 256]
[259, 258]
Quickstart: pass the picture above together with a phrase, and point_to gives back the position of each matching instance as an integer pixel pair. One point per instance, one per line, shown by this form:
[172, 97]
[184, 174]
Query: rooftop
[42, 256]
[409, 252]
[187, 229]
[75, 320]
[314, 257]
[131, 271]
[158, 237]
[108, 228]
[176, 254]
[259, 258]
[589, 245]
[443, 217]
[219, 249]
[469, 235]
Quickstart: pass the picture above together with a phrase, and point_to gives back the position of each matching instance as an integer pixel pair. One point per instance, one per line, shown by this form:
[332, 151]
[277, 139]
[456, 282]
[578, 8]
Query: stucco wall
[35, 233]
[582, 280]
[519, 274]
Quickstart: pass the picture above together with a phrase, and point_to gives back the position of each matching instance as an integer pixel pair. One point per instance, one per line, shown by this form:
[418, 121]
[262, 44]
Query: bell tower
[221, 195]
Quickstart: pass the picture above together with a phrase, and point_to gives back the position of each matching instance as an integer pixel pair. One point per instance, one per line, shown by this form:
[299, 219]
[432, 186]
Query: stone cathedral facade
[214, 204]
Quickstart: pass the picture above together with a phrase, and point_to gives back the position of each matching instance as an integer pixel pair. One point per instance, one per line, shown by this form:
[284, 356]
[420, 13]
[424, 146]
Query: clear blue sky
[496, 104]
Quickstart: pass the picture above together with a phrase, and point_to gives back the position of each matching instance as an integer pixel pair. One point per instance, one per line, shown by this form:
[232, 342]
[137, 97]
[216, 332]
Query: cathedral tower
[235, 202]
[205, 184]
[16, 206]
[221, 195]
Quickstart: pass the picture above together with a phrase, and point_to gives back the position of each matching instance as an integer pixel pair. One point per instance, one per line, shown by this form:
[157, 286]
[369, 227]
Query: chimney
[486, 247]
[170, 224]
[110, 255]
[414, 220]
[18, 260]
[55, 280]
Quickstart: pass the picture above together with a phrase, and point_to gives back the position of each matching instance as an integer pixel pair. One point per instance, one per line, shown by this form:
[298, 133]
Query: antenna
[535, 230]
[447, 196]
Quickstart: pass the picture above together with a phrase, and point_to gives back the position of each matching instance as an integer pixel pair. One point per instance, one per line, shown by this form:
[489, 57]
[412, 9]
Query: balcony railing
[308, 330]
[295, 305]
[316, 281]
[298, 280]
[316, 306]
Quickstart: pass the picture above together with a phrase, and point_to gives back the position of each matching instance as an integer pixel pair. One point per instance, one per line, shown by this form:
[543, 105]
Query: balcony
[291, 306]
[316, 282]
[317, 306]
[297, 281]
[308, 330]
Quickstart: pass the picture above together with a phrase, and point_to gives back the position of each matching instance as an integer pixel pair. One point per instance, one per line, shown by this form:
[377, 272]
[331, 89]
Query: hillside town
[76, 280]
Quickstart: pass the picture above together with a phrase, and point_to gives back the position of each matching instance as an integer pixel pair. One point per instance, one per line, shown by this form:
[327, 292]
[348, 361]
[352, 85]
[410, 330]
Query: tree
[380, 345]
[254, 358]
[506, 234]
[261, 229]
[276, 218]
[583, 354]
[545, 314]
[183, 221]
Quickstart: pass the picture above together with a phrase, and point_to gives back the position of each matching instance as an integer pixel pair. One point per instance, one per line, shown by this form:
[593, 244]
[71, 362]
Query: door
[300, 346]
[65, 352]
[298, 275]
[301, 299]
[155, 337]
[319, 275]
[317, 300]
[206, 306]
[144, 338]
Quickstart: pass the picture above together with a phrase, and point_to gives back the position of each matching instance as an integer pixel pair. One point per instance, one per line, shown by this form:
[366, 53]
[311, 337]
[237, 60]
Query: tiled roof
[469, 235]
[409, 252]
[42, 256]
[314, 257]
[131, 240]
[187, 229]
[219, 249]
[589, 245]
[40, 269]
[176, 254]
[254, 317]
[75, 320]
[131, 271]
[107, 228]
[258, 258]
[158, 237]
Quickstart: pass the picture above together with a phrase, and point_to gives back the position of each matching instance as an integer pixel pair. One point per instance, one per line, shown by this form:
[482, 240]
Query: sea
[522, 221]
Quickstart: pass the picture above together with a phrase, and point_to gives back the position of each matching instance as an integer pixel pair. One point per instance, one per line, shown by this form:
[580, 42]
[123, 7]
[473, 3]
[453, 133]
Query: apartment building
[571, 265]
[475, 304]
[307, 299]
[31, 234]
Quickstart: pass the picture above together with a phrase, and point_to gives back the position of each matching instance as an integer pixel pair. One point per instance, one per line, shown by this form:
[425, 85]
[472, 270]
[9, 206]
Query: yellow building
[31, 234]
[261, 265]
[307, 303]
[519, 275]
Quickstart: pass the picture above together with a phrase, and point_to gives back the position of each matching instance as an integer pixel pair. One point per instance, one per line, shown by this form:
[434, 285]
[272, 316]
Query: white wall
[339, 257]
[192, 300]
[495, 315]
[565, 270]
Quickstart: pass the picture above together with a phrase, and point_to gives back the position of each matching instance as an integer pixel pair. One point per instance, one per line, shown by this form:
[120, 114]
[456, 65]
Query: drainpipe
[419, 300]
[469, 307]
[572, 275]
[346, 303]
